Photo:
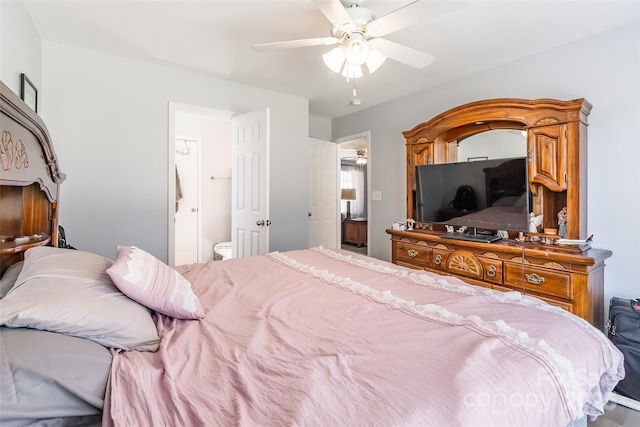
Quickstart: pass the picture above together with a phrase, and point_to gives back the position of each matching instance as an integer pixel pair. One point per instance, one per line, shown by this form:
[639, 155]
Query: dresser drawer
[539, 280]
[465, 263]
[414, 255]
[492, 270]
[562, 304]
[440, 258]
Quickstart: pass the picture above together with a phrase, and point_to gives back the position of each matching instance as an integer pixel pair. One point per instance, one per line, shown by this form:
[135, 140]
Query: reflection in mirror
[494, 144]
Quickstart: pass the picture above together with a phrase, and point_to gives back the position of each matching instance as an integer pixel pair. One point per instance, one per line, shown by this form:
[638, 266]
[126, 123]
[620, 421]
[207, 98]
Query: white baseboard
[624, 401]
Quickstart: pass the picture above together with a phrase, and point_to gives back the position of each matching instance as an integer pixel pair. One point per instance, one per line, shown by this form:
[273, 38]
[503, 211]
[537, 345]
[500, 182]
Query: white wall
[604, 69]
[320, 128]
[19, 46]
[108, 117]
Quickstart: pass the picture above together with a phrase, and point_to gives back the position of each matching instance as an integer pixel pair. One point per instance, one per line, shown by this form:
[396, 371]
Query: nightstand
[354, 230]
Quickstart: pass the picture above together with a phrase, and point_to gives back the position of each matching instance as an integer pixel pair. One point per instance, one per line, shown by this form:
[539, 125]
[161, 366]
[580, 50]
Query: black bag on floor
[623, 328]
[62, 239]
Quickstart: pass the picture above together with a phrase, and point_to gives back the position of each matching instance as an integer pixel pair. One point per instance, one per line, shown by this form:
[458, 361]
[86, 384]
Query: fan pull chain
[354, 88]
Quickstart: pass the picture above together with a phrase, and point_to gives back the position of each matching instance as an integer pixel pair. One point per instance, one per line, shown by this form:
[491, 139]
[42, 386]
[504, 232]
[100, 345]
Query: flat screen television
[501, 196]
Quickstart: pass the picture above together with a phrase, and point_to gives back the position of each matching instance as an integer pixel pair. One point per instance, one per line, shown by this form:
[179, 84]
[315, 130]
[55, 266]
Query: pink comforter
[321, 338]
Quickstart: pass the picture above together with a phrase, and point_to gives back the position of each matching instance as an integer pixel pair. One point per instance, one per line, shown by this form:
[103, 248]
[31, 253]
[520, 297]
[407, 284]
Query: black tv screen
[499, 186]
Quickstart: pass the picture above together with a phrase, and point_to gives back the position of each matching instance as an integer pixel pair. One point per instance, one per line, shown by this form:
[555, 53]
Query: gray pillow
[69, 292]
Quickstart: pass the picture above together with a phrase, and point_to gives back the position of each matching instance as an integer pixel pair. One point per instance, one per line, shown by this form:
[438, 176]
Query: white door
[250, 184]
[187, 214]
[323, 188]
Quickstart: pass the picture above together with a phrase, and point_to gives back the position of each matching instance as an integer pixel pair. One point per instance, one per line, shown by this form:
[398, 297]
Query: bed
[307, 337]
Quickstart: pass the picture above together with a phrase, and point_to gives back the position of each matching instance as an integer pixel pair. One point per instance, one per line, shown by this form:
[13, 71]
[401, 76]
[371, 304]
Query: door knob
[260, 222]
[193, 209]
[309, 214]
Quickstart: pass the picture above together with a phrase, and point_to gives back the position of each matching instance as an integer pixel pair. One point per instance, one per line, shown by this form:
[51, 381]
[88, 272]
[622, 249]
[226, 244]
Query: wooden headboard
[30, 181]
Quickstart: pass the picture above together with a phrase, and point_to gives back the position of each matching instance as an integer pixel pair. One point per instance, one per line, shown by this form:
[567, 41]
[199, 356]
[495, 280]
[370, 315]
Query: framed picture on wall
[28, 92]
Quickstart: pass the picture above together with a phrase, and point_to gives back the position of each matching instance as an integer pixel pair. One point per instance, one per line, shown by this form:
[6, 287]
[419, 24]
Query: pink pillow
[145, 279]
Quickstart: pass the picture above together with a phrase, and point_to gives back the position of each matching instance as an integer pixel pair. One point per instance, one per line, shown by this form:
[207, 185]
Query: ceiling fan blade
[402, 53]
[334, 11]
[408, 15]
[318, 41]
[394, 21]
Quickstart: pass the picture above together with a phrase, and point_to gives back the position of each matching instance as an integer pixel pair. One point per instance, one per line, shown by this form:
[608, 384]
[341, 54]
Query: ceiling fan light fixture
[375, 60]
[351, 71]
[357, 49]
[334, 59]
[362, 158]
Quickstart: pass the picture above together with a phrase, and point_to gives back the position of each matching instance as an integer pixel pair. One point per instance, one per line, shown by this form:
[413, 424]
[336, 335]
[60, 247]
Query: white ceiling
[216, 37]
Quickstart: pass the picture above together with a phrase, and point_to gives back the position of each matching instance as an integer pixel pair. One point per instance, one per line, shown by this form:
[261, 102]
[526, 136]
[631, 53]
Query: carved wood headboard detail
[30, 179]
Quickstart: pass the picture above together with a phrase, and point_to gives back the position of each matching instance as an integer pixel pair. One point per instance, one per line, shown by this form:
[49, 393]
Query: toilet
[222, 251]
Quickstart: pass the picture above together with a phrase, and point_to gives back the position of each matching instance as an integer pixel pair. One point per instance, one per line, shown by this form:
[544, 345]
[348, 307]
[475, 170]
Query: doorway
[213, 131]
[353, 195]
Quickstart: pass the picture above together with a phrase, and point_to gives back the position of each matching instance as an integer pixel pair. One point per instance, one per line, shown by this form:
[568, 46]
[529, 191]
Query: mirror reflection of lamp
[348, 194]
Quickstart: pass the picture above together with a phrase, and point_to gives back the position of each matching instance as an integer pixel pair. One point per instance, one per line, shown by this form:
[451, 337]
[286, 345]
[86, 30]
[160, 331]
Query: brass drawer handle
[412, 253]
[438, 259]
[491, 271]
[534, 278]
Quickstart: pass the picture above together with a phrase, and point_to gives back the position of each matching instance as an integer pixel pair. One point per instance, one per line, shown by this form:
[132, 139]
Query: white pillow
[69, 292]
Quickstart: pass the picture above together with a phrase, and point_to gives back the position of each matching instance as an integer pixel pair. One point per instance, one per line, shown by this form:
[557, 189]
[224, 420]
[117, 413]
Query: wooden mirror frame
[556, 150]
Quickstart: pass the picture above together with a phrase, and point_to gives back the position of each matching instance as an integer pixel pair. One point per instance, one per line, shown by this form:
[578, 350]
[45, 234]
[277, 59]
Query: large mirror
[493, 144]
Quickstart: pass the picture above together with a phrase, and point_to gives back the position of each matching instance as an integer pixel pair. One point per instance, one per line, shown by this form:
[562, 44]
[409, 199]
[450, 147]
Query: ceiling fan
[360, 157]
[358, 33]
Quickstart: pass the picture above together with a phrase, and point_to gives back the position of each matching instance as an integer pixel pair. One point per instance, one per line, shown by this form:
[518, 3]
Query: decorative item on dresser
[571, 277]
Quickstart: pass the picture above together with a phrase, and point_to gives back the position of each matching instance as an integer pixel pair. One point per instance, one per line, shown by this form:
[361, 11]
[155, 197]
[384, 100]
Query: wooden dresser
[567, 278]
[354, 230]
[556, 157]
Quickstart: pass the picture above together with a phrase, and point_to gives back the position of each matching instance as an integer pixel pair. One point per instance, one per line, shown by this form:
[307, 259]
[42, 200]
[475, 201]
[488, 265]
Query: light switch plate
[376, 195]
